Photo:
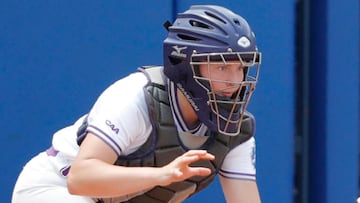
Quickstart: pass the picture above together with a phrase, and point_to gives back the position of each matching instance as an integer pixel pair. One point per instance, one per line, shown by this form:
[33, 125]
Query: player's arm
[240, 191]
[238, 174]
[93, 173]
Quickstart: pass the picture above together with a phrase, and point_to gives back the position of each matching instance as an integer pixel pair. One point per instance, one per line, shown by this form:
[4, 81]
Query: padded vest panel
[163, 145]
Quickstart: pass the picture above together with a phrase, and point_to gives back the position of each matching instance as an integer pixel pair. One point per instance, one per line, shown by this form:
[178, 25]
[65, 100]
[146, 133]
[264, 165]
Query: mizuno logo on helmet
[243, 42]
[177, 51]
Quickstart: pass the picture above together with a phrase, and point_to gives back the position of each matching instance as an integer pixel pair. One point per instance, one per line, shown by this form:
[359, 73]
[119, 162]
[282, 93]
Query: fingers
[200, 171]
[193, 171]
[195, 155]
[180, 168]
[192, 156]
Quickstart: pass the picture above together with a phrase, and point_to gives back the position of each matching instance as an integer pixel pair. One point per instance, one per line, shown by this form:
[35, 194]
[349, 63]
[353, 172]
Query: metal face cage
[228, 110]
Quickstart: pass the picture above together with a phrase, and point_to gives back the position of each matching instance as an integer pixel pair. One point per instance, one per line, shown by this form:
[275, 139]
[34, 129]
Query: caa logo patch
[112, 126]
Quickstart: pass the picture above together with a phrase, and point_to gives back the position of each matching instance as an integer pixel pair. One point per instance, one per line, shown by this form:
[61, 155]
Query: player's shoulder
[154, 73]
[131, 82]
[126, 91]
[142, 76]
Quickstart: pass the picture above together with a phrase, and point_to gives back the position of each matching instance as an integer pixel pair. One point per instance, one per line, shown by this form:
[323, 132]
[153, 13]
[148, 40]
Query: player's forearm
[106, 180]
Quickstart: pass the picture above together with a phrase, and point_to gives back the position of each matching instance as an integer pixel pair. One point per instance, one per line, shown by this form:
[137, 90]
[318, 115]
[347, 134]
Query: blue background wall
[57, 56]
[334, 121]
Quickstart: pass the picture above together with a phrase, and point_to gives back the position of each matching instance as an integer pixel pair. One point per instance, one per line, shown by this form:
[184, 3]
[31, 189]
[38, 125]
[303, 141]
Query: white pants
[42, 182]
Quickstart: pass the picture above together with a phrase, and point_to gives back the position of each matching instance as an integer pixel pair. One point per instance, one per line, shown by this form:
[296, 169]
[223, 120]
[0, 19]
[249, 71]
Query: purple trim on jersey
[65, 171]
[237, 175]
[52, 151]
[102, 132]
[252, 178]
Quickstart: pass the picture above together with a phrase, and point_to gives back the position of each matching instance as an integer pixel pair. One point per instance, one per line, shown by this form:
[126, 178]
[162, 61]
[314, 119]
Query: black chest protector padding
[163, 144]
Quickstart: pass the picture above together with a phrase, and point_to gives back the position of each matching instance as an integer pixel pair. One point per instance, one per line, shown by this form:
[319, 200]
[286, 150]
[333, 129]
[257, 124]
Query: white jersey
[120, 118]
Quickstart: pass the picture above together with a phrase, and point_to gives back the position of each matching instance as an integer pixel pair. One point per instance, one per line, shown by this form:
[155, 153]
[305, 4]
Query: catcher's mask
[208, 35]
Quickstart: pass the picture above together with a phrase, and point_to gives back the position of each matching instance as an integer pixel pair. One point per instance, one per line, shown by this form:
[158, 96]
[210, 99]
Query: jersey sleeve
[240, 162]
[119, 116]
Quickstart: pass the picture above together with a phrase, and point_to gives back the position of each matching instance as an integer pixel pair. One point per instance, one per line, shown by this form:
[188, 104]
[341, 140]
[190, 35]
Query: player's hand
[179, 169]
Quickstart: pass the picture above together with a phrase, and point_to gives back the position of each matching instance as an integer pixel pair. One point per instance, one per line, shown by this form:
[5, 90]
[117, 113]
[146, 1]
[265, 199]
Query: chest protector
[164, 145]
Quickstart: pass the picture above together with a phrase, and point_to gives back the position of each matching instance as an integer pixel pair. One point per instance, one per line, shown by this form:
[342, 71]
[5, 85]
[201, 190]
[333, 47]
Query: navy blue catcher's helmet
[210, 34]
